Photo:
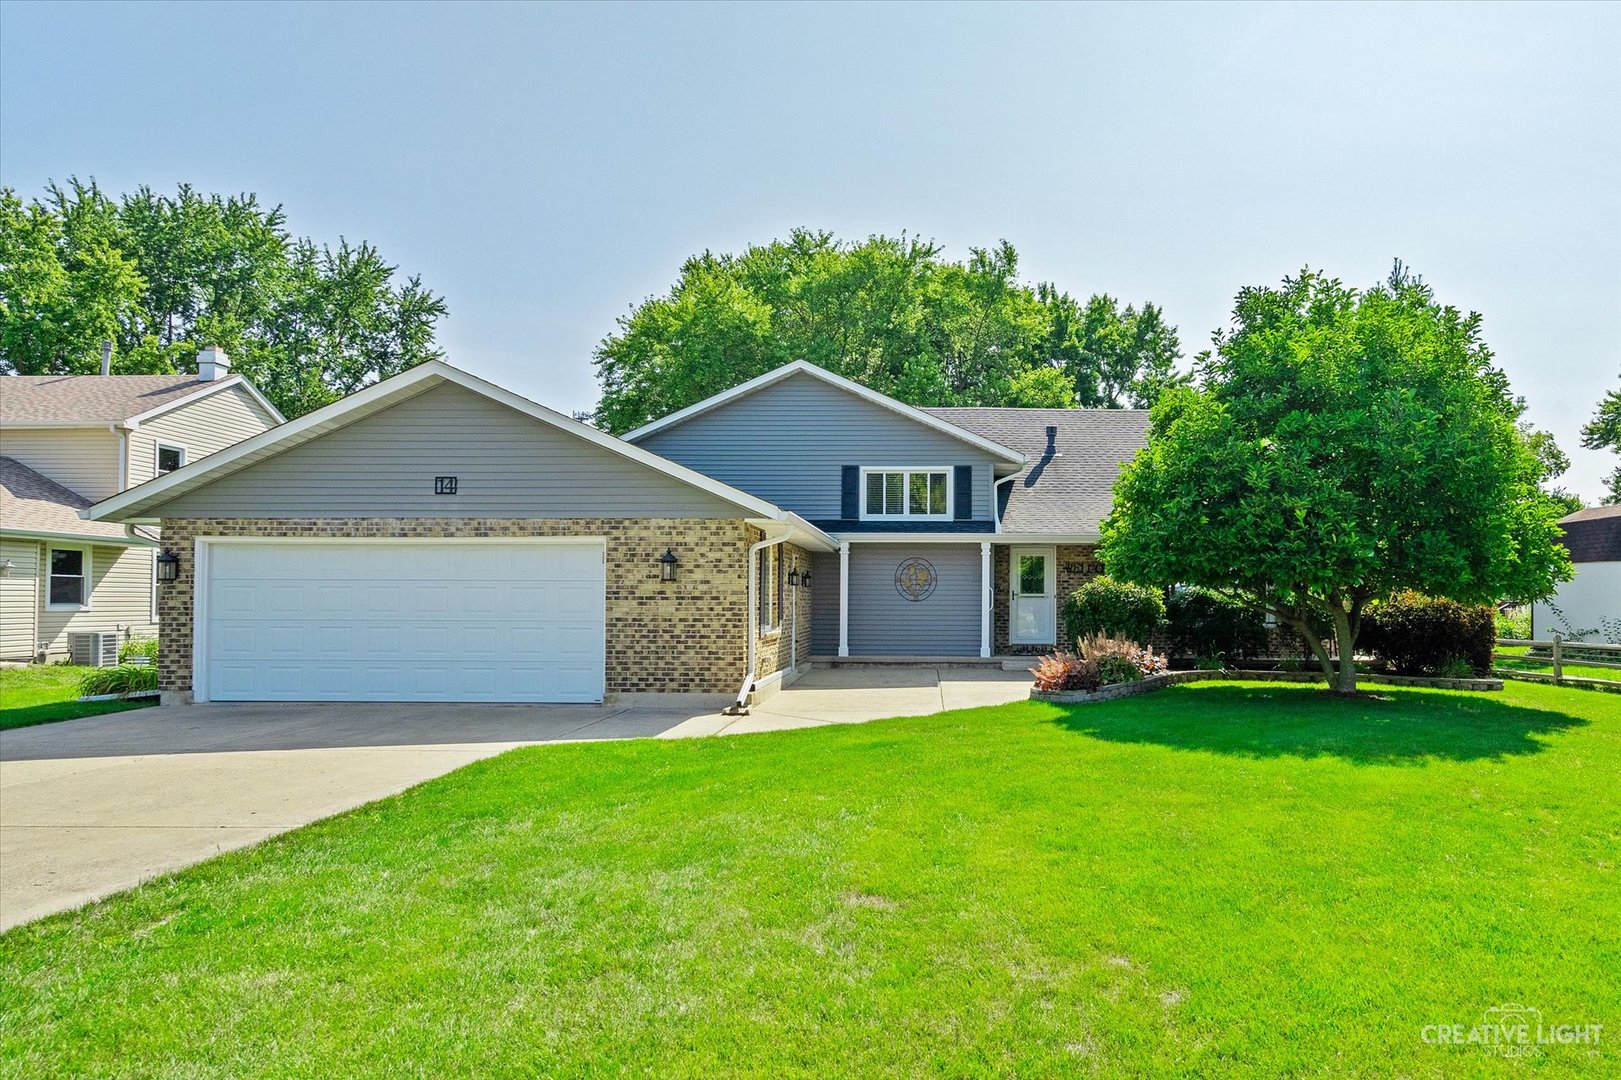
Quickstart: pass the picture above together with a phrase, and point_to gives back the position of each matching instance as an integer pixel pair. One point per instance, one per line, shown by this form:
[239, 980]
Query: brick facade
[772, 650]
[1077, 563]
[684, 636]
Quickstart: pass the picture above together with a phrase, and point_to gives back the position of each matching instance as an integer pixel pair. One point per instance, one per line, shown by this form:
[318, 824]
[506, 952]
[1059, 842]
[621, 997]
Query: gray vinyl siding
[84, 460]
[507, 465]
[885, 623]
[824, 603]
[19, 600]
[787, 443]
[120, 597]
[202, 427]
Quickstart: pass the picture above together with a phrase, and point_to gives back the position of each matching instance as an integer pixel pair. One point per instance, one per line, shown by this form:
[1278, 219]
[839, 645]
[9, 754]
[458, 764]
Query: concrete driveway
[89, 807]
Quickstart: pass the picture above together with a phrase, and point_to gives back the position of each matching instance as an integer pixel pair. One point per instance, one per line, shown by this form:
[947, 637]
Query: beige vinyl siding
[120, 598]
[202, 427]
[19, 600]
[507, 465]
[84, 460]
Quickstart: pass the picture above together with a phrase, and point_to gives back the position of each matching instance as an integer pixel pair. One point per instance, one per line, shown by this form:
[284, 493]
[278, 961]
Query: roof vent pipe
[106, 358]
[1052, 438]
[212, 364]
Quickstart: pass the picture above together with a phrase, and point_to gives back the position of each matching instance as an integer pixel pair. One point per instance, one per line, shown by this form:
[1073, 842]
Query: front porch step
[1006, 663]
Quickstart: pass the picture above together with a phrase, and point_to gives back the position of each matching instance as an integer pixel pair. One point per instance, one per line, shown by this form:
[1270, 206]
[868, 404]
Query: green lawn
[42, 693]
[1233, 879]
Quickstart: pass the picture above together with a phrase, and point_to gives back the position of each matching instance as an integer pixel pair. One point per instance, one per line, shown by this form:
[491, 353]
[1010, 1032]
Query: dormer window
[917, 494]
[169, 458]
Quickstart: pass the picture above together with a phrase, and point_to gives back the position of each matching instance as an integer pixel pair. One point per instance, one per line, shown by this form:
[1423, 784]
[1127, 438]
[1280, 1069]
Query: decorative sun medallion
[915, 579]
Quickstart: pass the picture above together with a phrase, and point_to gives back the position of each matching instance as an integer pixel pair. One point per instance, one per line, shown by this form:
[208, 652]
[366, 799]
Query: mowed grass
[43, 693]
[1235, 879]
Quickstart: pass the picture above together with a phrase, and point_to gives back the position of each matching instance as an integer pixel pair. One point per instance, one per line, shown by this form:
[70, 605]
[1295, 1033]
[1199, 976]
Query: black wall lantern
[793, 576]
[168, 565]
[806, 579]
[667, 564]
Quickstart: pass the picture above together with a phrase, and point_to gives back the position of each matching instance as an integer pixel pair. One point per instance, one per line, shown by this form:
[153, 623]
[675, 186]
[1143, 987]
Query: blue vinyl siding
[788, 443]
[885, 623]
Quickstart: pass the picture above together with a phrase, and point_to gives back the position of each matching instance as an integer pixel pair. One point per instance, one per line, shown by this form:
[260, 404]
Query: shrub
[1116, 608]
[1065, 671]
[124, 679]
[1514, 623]
[1120, 661]
[1419, 635]
[144, 647]
[1203, 624]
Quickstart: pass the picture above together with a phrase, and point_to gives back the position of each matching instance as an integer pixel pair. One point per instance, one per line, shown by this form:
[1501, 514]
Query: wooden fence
[1559, 654]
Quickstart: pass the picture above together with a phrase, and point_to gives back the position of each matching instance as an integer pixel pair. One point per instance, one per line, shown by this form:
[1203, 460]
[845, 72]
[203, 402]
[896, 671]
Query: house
[436, 537]
[1591, 599]
[67, 441]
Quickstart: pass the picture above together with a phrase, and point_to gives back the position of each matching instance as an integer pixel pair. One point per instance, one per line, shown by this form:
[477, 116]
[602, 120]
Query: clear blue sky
[547, 167]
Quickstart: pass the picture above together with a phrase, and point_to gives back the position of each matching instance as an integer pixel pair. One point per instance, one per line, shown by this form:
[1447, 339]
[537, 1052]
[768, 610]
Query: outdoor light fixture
[667, 564]
[168, 565]
[805, 580]
[5, 567]
[793, 576]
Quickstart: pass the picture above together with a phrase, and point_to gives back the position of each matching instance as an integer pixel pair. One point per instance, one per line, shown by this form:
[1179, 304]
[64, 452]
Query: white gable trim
[805, 367]
[208, 391]
[131, 504]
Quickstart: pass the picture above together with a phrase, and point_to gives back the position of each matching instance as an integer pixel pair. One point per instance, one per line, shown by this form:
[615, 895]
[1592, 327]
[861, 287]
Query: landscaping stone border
[1172, 678]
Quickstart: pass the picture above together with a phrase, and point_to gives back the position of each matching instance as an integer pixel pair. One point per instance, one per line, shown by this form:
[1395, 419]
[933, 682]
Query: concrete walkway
[90, 807]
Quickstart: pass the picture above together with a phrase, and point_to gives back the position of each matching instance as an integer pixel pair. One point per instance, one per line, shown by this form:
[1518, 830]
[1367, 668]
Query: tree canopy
[892, 314]
[1604, 432]
[1339, 446]
[160, 276]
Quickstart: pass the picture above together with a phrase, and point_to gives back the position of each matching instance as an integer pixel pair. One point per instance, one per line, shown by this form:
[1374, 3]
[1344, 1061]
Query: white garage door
[401, 621]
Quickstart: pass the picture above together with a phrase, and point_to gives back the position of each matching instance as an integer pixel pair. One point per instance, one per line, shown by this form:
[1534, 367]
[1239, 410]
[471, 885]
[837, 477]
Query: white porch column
[987, 594]
[844, 599]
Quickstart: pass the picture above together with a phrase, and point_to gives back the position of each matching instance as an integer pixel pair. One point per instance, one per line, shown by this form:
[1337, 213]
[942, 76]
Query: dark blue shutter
[852, 493]
[965, 492]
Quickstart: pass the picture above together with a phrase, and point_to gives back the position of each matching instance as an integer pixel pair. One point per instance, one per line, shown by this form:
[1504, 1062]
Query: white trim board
[805, 367]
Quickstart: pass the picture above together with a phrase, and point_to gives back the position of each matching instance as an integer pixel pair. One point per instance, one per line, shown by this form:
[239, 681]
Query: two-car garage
[400, 620]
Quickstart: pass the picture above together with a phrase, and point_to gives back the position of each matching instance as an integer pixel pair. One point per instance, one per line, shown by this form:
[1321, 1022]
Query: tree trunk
[1345, 683]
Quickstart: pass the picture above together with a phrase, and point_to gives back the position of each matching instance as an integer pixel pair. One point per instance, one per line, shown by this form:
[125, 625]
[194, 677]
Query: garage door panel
[352, 621]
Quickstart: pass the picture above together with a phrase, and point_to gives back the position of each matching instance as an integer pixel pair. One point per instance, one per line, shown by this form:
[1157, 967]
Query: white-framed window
[915, 493]
[167, 457]
[768, 588]
[67, 585]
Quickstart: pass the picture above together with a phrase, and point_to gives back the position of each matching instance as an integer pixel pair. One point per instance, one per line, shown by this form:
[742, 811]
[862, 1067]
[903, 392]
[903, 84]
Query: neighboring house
[67, 441]
[1593, 597]
[435, 537]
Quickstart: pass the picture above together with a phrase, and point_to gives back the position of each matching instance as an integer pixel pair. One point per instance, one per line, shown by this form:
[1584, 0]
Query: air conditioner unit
[99, 649]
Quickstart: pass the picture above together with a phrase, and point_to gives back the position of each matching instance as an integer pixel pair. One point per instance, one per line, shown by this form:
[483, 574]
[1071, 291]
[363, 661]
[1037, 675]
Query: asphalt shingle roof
[32, 503]
[1594, 534]
[88, 399]
[1066, 488]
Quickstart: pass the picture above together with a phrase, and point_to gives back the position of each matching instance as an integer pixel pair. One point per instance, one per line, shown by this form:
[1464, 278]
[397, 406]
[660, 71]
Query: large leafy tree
[1339, 446]
[1604, 432]
[161, 276]
[889, 313]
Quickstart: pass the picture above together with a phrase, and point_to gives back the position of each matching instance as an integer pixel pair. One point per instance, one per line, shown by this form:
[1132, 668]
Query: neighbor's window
[908, 493]
[170, 458]
[70, 579]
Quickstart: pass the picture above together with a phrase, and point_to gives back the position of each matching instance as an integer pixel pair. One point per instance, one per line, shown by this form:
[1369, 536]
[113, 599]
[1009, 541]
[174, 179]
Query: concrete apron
[90, 807]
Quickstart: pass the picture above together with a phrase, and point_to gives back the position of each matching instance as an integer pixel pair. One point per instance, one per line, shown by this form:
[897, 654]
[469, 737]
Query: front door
[1033, 607]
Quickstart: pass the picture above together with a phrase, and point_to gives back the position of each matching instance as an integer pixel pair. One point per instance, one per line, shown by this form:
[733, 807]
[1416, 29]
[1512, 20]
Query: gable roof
[32, 504]
[1068, 486]
[927, 417]
[1594, 534]
[138, 503]
[85, 400]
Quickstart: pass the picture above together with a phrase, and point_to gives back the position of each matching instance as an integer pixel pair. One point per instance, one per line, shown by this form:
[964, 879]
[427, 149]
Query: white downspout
[985, 590]
[123, 456]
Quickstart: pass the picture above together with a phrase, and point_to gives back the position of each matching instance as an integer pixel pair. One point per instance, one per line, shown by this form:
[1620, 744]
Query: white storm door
[1033, 605]
[403, 620]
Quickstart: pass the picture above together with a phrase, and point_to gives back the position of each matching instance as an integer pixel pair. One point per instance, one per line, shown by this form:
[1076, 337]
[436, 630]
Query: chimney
[212, 364]
[106, 358]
